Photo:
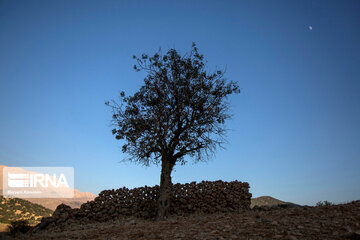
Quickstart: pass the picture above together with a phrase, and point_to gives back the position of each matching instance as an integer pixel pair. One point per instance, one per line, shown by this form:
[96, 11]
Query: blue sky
[295, 134]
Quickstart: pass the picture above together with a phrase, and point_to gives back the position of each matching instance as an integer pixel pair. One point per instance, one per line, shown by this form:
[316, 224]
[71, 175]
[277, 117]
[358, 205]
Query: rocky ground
[326, 222]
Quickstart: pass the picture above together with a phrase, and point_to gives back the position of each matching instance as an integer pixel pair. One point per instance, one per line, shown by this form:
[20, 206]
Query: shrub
[19, 226]
[324, 203]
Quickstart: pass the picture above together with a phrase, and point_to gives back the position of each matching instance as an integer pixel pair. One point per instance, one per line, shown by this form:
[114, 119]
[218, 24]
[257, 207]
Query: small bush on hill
[20, 226]
[324, 203]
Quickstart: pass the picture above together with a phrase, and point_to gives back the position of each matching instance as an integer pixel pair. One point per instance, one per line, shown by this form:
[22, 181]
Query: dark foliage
[19, 226]
[180, 110]
[324, 203]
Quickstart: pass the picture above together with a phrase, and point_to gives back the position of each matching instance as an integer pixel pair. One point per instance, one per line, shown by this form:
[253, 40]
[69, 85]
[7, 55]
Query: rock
[64, 216]
[265, 220]
[292, 237]
[44, 223]
[352, 236]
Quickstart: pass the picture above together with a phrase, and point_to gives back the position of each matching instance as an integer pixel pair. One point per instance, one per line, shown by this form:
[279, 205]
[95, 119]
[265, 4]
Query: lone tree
[180, 110]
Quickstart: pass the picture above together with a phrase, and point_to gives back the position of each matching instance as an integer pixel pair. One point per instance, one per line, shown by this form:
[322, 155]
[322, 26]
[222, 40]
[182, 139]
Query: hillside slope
[12, 209]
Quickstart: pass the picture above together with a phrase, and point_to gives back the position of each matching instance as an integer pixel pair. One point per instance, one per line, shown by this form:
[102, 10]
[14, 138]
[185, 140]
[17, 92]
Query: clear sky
[295, 134]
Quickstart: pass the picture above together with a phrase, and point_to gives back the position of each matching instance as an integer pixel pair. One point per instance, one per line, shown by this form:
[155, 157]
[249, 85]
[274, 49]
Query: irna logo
[36, 180]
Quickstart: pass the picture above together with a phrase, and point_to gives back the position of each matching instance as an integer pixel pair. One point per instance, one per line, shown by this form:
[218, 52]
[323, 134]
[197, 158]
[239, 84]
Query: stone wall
[189, 198]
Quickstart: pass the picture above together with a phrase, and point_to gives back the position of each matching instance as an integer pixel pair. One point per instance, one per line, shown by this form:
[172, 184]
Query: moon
[310, 28]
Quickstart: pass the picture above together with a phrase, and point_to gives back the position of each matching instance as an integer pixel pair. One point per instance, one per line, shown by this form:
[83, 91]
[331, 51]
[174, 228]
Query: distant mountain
[75, 202]
[12, 209]
[51, 203]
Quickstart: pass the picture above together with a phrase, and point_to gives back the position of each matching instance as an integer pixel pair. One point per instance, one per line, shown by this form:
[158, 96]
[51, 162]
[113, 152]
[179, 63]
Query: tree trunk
[165, 188]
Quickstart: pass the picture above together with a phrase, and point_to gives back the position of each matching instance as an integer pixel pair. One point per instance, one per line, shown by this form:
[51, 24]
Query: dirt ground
[327, 222]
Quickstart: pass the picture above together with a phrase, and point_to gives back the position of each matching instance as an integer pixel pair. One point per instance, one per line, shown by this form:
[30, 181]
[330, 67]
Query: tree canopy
[180, 110]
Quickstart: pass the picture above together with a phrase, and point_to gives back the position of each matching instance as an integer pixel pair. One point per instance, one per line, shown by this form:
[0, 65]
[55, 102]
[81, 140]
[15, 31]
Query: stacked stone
[138, 202]
[210, 197]
[189, 198]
